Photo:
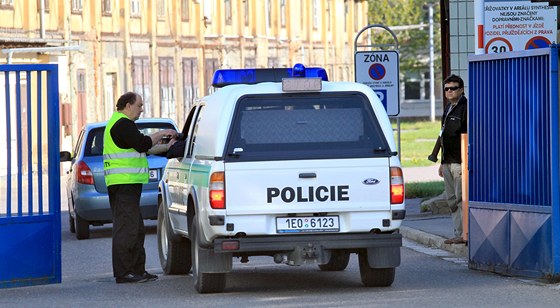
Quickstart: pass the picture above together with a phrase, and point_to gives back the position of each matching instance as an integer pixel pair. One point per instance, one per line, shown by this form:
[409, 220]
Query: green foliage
[417, 141]
[413, 43]
[423, 189]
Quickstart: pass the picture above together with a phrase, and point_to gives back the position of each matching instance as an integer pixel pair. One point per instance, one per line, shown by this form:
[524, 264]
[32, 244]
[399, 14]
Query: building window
[412, 89]
[167, 88]
[46, 2]
[142, 79]
[227, 8]
[106, 6]
[246, 9]
[190, 83]
[160, 8]
[315, 14]
[272, 62]
[185, 10]
[283, 13]
[77, 5]
[328, 15]
[356, 15]
[345, 15]
[268, 14]
[135, 8]
[210, 66]
[250, 63]
[81, 96]
[7, 3]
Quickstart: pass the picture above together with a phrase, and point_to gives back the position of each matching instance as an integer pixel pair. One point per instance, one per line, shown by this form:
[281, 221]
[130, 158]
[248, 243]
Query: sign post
[378, 67]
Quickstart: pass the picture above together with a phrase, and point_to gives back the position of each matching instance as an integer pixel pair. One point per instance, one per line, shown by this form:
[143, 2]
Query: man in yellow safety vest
[126, 169]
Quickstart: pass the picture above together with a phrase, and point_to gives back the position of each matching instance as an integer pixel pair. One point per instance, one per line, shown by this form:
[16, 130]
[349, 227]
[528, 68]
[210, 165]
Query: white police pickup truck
[299, 169]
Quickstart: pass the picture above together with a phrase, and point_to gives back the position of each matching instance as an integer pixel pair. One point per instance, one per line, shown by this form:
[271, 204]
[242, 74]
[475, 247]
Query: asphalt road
[427, 277]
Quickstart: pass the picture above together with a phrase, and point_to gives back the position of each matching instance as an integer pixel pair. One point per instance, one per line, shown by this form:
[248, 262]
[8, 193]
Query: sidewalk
[424, 227]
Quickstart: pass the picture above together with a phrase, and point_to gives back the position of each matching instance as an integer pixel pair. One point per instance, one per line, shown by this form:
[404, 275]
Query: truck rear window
[311, 126]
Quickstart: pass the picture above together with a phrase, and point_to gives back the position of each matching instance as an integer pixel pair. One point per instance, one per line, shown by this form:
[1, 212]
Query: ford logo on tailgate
[370, 181]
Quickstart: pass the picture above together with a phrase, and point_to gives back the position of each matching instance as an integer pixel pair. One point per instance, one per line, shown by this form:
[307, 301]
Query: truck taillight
[217, 190]
[397, 185]
[83, 173]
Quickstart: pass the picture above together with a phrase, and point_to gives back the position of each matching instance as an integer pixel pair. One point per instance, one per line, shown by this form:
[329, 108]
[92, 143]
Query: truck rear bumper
[383, 250]
[325, 241]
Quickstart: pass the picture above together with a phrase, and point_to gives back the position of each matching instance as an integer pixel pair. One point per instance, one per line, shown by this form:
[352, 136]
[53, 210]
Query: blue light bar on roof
[225, 77]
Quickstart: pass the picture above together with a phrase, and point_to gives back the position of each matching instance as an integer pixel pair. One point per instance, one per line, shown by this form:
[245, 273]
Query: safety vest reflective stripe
[124, 155]
[126, 170]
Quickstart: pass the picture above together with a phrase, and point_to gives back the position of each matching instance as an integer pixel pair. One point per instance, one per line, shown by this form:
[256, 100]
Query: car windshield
[94, 141]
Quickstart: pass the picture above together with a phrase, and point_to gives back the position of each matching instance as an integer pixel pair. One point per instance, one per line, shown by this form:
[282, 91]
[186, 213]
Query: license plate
[302, 224]
[153, 174]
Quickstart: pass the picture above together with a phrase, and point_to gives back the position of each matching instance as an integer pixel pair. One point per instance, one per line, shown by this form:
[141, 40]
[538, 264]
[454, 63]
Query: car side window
[192, 136]
[94, 143]
[78, 143]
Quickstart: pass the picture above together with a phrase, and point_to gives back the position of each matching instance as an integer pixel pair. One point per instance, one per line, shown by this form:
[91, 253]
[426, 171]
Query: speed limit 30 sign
[380, 71]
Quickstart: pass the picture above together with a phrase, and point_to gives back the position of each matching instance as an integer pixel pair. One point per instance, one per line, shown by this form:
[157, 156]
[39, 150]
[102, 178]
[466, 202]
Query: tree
[413, 43]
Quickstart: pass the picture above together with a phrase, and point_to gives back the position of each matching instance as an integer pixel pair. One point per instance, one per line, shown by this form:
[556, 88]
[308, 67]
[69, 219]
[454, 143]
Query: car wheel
[174, 253]
[203, 282]
[81, 227]
[338, 261]
[375, 277]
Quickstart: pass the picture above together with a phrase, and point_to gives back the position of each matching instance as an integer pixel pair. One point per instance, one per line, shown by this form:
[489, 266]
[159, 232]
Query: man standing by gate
[453, 124]
[126, 169]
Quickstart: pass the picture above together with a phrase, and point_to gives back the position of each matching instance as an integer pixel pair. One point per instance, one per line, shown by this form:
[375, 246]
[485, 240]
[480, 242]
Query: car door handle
[307, 175]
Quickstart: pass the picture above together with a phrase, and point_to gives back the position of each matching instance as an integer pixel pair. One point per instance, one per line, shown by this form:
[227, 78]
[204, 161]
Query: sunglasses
[451, 88]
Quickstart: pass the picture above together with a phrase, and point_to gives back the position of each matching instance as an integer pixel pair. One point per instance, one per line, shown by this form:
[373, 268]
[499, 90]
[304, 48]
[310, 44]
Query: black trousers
[129, 256]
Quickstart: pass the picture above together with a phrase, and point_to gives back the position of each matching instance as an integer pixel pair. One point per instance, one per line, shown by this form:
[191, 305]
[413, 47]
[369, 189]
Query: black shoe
[150, 277]
[131, 278]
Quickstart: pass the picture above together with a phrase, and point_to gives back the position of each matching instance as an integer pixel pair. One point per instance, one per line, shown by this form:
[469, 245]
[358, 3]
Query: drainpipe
[42, 8]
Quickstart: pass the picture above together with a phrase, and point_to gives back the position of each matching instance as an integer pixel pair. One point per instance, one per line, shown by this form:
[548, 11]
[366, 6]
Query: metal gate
[30, 252]
[514, 189]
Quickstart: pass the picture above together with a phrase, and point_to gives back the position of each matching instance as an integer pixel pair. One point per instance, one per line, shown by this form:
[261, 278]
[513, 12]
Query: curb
[431, 240]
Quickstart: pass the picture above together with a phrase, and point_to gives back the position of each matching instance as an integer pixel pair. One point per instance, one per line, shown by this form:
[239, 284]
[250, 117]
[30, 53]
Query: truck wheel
[174, 254]
[338, 261]
[81, 227]
[375, 277]
[203, 282]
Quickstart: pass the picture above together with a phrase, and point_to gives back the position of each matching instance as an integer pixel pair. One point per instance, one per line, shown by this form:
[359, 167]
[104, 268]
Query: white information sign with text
[518, 25]
[380, 71]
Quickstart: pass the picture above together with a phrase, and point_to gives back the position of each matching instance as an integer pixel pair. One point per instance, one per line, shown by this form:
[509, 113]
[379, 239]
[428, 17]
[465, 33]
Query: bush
[423, 189]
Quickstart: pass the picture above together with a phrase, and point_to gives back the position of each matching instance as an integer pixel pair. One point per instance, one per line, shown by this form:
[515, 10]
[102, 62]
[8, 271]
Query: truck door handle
[307, 175]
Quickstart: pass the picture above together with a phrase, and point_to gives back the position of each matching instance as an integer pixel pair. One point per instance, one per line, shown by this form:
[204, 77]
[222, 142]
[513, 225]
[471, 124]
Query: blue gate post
[30, 235]
[514, 204]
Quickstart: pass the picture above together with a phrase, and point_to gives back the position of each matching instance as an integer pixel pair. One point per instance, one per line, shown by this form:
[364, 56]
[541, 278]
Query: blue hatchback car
[88, 201]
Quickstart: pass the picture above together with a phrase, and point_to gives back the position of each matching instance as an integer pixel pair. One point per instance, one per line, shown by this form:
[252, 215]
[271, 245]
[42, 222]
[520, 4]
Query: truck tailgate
[307, 186]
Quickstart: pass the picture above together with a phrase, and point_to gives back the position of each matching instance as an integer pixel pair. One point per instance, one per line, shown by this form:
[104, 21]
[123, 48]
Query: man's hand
[157, 136]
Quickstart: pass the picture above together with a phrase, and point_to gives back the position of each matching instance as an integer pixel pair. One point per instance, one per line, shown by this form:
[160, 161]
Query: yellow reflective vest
[122, 166]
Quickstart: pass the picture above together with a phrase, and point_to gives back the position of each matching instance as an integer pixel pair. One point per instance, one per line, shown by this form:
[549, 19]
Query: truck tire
[375, 277]
[338, 261]
[203, 282]
[81, 226]
[174, 253]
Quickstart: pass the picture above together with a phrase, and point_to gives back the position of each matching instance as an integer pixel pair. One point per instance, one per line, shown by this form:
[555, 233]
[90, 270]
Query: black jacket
[453, 123]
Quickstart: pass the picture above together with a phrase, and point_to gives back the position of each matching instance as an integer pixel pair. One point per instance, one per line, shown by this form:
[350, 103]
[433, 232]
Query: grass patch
[417, 141]
[423, 189]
